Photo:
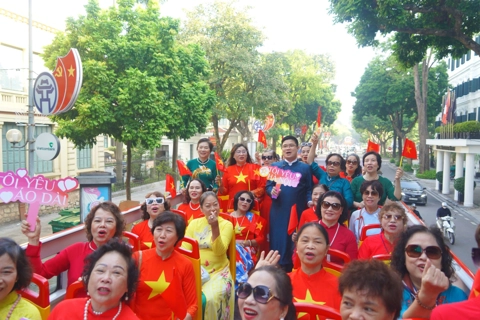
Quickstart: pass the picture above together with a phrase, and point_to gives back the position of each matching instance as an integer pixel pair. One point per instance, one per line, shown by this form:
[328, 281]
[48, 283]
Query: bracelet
[422, 305]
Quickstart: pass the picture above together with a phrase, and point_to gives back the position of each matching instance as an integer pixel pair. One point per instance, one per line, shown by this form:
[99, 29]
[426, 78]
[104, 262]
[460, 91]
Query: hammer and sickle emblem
[58, 72]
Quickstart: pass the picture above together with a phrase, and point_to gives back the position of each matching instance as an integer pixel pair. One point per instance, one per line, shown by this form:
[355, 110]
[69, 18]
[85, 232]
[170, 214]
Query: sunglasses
[261, 294]
[476, 257]
[150, 201]
[267, 157]
[247, 200]
[334, 206]
[306, 144]
[390, 216]
[372, 193]
[333, 163]
[415, 251]
[352, 162]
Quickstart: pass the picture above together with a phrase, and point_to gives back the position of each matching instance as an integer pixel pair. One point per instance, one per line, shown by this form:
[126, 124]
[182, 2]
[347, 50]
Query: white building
[464, 76]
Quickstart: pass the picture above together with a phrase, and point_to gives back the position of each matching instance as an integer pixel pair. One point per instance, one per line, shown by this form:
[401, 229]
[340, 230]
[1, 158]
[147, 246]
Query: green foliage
[392, 160]
[439, 176]
[459, 184]
[428, 174]
[467, 126]
[447, 27]
[407, 167]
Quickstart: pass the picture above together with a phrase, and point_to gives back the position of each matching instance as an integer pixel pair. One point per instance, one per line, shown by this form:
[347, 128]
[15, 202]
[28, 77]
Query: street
[465, 228]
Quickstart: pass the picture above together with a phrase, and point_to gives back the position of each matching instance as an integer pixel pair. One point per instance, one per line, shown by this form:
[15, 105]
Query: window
[191, 151]
[42, 166]
[105, 141]
[13, 158]
[457, 64]
[469, 54]
[12, 71]
[84, 158]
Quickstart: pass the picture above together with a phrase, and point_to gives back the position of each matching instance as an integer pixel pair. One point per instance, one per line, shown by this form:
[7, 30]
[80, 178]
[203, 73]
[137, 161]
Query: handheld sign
[36, 191]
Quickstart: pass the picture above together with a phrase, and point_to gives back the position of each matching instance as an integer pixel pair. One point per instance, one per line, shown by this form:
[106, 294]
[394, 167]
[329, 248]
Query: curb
[440, 197]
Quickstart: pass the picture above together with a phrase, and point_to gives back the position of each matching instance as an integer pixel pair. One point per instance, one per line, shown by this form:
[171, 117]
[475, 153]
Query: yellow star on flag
[71, 71]
[238, 229]
[241, 177]
[308, 299]
[220, 162]
[256, 172]
[259, 226]
[159, 286]
[148, 244]
[172, 185]
[409, 149]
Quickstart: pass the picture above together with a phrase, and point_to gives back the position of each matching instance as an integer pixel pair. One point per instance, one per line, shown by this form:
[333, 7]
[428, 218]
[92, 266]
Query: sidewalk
[12, 230]
[472, 212]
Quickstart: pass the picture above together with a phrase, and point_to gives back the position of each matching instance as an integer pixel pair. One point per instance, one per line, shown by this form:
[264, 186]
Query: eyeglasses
[261, 294]
[267, 157]
[241, 152]
[355, 162]
[334, 206]
[476, 257]
[333, 163]
[415, 251]
[247, 200]
[150, 201]
[289, 145]
[306, 144]
[372, 193]
[390, 216]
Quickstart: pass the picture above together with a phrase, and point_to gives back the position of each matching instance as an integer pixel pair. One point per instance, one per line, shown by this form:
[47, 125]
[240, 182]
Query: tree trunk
[129, 171]
[119, 161]
[394, 147]
[174, 158]
[421, 92]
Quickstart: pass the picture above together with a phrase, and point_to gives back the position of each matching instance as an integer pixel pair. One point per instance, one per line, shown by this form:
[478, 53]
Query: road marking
[466, 218]
[461, 215]
[473, 223]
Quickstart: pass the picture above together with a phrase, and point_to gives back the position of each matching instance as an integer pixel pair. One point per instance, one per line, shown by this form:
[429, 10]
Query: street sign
[47, 146]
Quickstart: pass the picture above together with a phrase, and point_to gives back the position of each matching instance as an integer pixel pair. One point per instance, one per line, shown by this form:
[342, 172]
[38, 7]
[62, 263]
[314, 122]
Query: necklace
[202, 162]
[85, 312]
[384, 244]
[190, 204]
[241, 171]
[238, 229]
[13, 307]
[90, 246]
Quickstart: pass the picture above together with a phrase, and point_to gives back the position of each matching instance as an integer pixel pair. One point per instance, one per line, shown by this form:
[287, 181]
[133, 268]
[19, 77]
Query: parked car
[413, 192]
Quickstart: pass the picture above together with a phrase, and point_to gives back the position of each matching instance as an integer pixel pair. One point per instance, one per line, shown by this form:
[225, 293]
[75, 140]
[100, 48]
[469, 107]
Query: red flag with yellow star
[372, 146]
[219, 163]
[409, 149]
[255, 171]
[319, 117]
[175, 297]
[183, 169]
[293, 222]
[170, 186]
[262, 138]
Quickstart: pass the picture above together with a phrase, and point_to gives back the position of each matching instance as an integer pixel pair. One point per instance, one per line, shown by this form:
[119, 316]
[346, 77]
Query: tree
[376, 129]
[448, 27]
[137, 78]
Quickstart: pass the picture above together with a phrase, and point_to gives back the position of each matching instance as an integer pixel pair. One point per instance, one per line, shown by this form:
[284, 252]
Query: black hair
[237, 197]
[290, 138]
[358, 171]
[317, 226]
[22, 264]
[114, 210]
[158, 194]
[379, 158]
[374, 279]
[210, 144]
[398, 254]
[343, 166]
[374, 184]
[283, 289]
[187, 195]
[117, 245]
[178, 221]
[344, 216]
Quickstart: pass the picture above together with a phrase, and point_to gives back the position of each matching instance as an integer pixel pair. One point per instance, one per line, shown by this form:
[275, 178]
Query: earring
[126, 298]
[88, 293]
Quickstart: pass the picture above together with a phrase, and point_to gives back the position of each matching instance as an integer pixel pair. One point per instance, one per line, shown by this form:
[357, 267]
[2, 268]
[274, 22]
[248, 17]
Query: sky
[287, 25]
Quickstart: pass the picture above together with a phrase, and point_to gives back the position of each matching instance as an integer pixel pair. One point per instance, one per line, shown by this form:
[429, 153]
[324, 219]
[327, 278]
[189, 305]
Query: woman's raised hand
[212, 218]
[314, 138]
[33, 236]
[271, 259]
[434, 281]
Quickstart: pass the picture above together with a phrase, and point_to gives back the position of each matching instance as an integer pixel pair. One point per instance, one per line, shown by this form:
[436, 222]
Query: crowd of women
[121, 284]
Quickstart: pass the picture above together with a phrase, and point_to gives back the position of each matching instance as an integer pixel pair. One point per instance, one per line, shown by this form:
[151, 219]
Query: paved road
[465, 227]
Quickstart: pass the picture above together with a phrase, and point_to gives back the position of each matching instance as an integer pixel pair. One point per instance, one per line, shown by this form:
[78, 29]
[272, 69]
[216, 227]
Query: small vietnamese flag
[293, 222]
[319, 117]
[183, 169]
[372, 146]
[170, 186]
[255, 171]
[409, 150]
[175, 297]
[219, 163]
[261, 138]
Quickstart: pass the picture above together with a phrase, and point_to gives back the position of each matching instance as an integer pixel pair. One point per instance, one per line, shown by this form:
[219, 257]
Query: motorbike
[447, 226]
